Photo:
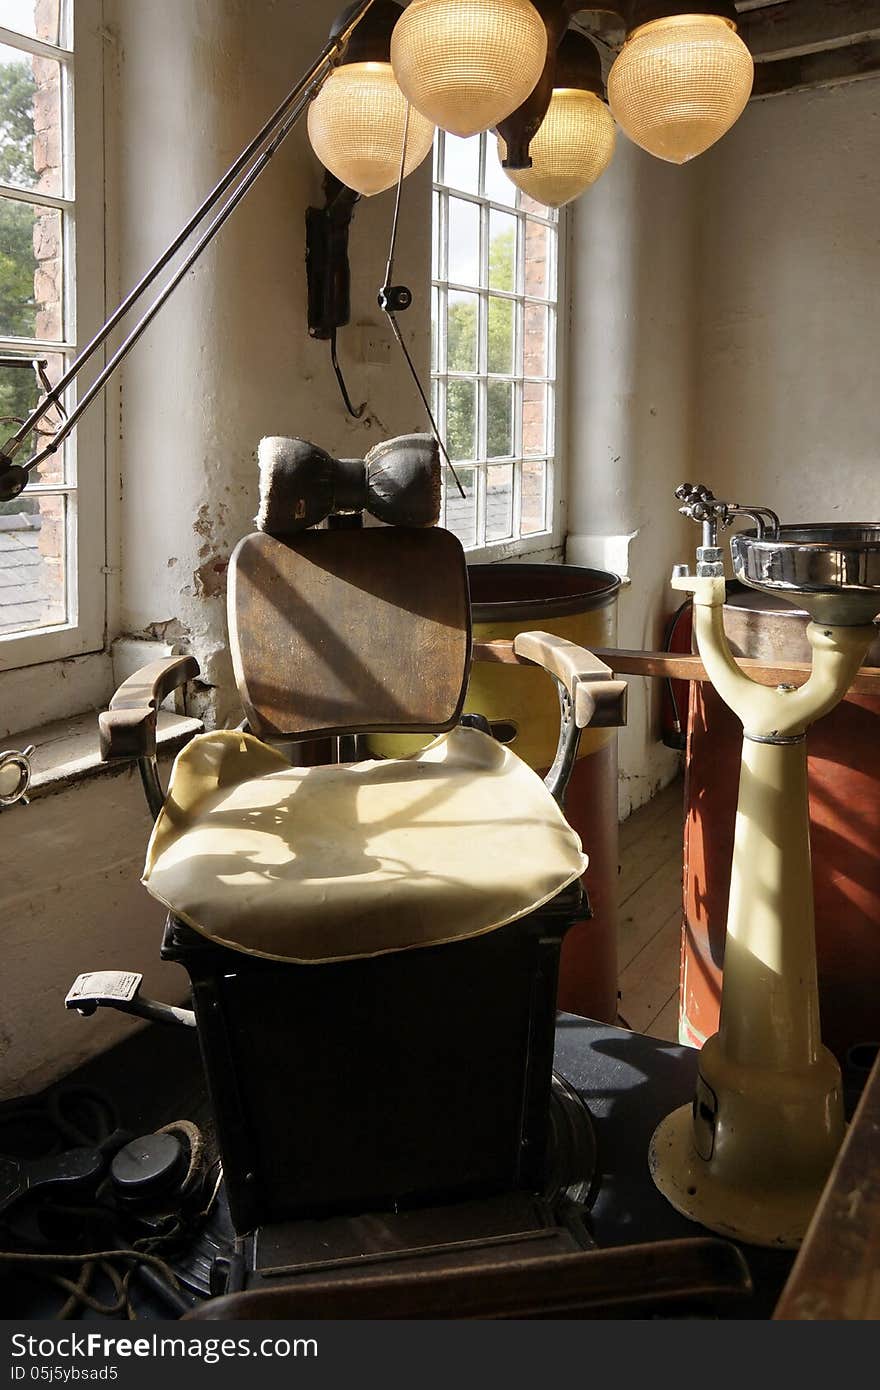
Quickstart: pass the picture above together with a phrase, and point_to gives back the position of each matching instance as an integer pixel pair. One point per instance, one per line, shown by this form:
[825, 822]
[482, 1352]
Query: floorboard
[665, 1025]
[657, 808]
[649, 930]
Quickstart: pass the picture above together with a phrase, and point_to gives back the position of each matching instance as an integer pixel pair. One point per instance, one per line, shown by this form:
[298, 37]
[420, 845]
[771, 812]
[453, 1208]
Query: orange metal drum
[844, 773]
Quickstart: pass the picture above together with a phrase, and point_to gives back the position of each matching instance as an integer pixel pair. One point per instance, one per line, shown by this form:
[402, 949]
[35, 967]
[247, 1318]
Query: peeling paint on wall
[170, 630]
[210, 577]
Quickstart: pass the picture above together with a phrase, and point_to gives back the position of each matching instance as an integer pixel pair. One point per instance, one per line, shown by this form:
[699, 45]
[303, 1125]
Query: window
[51, 281]
[494, 347]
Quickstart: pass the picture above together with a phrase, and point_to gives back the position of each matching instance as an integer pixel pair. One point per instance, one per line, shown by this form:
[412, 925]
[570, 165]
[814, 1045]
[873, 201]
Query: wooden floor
[649, 932]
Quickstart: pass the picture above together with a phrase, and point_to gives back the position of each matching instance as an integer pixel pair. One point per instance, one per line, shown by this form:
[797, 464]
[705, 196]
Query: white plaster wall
[38, 695]
[230, 360]
[630, 394]
[725, 328]
[787, 368]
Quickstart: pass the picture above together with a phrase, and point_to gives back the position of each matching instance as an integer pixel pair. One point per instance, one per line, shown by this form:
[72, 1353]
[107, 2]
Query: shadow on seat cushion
[331, 863]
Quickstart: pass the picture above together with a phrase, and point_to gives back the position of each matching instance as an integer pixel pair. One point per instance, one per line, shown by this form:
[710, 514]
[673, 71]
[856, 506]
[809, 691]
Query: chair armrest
[588, 693]
[598, 700]
[128, 727]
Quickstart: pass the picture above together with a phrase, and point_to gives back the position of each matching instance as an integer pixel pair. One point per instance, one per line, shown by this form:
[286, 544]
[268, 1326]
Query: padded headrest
[398, 482]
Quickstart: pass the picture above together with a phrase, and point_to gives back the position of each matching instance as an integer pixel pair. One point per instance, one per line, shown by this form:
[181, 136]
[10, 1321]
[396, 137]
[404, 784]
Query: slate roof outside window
[22, 592]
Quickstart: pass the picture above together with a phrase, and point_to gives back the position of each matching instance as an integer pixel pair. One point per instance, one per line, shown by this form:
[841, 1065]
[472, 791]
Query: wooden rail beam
[833, 68]
[791, 30]
[675, 666]
[745, 6]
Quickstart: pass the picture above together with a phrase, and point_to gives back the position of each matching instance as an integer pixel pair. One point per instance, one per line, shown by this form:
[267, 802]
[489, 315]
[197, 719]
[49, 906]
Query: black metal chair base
[411, 1080]
[486, 1233]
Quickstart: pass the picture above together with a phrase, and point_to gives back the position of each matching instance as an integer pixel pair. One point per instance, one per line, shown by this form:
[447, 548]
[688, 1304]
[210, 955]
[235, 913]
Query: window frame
[83, 252]
[551, 538]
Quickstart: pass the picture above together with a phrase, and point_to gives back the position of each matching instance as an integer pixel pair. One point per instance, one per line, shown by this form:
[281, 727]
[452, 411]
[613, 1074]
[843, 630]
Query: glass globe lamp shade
[356, 126]
[467, 64]
[679, 84]
[572, 148]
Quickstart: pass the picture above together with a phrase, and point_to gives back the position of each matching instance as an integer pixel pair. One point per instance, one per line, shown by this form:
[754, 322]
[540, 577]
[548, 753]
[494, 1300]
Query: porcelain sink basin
[831, 571]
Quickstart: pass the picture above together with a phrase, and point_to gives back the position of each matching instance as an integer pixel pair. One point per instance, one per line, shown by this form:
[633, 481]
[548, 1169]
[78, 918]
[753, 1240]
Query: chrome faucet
[701, 505]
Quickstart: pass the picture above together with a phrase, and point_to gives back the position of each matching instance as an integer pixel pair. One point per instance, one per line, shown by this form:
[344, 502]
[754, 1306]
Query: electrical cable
[81, 1116]
[357, 414]
[196, 1146]
[679, 733]
[398, 198]
[393, 297]
[81, 1288]
[37, 1262]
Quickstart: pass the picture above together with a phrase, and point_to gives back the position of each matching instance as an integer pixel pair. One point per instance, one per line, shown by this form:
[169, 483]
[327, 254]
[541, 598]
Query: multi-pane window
[494, 328]
[38, 228]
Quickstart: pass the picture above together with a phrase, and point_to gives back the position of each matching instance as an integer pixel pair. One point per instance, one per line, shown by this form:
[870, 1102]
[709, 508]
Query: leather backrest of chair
[350, 631]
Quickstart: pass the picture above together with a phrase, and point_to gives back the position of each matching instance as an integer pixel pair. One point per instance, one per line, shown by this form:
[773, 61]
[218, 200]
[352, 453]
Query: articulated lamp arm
[239, 178]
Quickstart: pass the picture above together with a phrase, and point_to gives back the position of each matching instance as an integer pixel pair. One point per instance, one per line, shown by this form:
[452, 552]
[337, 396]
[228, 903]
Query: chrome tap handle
[701, 505]
[15, 777]
[694, 492]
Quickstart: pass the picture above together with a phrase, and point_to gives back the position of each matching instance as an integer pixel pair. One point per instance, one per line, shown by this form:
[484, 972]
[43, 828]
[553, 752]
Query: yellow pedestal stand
[752, 1154]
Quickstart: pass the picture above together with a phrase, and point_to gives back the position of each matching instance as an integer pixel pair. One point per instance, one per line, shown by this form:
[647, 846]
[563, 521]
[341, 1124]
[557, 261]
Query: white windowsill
[67, 750]
[537, 548]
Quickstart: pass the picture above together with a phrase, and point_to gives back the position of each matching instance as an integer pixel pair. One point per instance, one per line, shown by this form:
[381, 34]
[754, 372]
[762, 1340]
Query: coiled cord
[80, 1116]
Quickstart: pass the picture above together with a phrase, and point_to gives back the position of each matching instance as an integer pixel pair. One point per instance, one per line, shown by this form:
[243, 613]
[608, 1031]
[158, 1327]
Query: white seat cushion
[332, 863]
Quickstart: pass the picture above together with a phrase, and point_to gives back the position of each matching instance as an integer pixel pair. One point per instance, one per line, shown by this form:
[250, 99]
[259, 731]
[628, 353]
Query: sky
[462, 171]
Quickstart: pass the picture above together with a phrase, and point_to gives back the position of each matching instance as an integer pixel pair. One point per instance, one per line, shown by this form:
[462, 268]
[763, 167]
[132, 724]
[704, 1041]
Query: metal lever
[15, 776]
[119, 989]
